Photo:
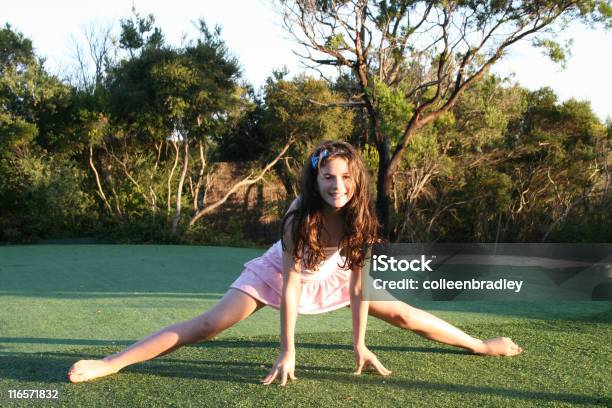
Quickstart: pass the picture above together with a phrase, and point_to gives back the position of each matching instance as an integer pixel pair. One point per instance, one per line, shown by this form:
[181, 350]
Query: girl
[314, 268]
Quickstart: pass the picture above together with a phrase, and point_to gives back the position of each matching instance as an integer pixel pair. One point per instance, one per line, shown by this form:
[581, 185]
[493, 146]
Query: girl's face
[336, 185]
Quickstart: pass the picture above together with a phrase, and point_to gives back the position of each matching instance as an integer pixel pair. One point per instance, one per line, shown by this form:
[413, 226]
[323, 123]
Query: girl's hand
[364, 358]
[283, 367]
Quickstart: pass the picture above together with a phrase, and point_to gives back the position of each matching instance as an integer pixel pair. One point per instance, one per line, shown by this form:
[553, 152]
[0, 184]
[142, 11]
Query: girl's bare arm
[364, 358]
[290, 299]
[359, 310]
[284, 367]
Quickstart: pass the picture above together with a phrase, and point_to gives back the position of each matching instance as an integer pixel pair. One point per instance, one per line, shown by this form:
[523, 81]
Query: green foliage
[15, 49]
[140, 32]
[336, 42]
[508, 165]
[503, 164]
[244, 128]
[35, 108]
[411, 71]
[557, 53]
[21, 90]
[393, 108]
[144, 229]
[45, 196]
[306, 110]
[487, 193]
[163, 89]
[232, 233]
[480, 118]
[370, 157]
[560, 152]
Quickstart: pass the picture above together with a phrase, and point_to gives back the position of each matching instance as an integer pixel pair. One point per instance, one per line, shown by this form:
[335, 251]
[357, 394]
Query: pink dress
[323, 289]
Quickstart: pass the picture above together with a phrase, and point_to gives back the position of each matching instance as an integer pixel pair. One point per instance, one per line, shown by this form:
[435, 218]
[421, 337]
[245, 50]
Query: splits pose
[315, 267]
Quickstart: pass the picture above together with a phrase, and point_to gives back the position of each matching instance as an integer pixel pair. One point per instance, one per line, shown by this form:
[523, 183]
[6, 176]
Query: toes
[75, 377]
[516, 350]
[76, 374]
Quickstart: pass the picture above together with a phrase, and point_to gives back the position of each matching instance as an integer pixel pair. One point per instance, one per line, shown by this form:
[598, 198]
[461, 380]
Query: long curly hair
[361, 227]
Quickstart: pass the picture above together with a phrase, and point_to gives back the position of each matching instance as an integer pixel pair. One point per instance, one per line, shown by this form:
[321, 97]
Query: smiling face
[335, 183]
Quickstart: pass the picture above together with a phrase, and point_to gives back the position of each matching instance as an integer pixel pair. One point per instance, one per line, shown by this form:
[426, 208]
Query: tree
[449, 185]
[559, 165]
[164, 103]
[41, 191]
[304, 109]
[413, 59]
[22, 88]
[162, 95]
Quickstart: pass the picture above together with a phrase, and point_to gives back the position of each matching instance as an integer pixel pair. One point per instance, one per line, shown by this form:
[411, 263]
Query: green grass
[62, 303]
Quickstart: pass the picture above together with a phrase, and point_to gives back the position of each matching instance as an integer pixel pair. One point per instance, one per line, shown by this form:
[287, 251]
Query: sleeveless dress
[323, 289]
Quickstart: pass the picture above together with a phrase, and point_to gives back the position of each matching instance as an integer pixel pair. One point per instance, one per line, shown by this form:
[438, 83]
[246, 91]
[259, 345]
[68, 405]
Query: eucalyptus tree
[413, 59]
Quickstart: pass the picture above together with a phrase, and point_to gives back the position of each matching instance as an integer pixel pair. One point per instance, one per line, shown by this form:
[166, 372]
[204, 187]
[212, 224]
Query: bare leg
[234, 307]
[431, 327]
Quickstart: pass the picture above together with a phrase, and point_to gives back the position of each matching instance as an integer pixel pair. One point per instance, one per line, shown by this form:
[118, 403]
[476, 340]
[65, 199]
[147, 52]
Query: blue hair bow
[314, 160]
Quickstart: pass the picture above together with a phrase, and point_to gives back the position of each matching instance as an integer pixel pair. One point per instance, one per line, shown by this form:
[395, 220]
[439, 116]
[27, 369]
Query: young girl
[314, 268]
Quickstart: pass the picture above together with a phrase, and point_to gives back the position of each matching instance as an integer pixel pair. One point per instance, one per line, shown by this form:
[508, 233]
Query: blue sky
[253, 32]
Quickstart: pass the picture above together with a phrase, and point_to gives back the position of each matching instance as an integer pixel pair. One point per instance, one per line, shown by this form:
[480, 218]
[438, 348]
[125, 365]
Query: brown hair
[306, 221]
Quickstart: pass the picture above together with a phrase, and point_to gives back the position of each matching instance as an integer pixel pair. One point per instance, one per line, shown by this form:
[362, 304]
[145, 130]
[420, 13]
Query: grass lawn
[61, 303]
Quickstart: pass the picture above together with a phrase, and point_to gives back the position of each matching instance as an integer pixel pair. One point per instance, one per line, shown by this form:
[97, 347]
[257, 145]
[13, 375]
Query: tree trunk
[152, 176]
[247, 181]
[197, 194]
[284, 173]
[179, 190]
[100, 191]
[383, 186]
[176, 158]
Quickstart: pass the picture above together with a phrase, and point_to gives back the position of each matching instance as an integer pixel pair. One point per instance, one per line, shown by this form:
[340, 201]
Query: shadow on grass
[229, 344]
[52, 368]
[532, 396]
[76, 342]
[321, 346]
[66, 294]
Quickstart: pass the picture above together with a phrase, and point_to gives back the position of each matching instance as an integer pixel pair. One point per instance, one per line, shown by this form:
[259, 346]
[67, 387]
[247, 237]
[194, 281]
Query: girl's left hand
[364, 358]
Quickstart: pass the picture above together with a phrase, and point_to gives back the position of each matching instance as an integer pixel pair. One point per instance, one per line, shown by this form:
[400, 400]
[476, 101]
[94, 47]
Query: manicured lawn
[62, 303]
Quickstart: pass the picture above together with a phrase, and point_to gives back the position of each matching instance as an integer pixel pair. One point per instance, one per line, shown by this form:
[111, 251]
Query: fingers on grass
[381, 369]
[376, 365]
[270, 377]
[284, 378]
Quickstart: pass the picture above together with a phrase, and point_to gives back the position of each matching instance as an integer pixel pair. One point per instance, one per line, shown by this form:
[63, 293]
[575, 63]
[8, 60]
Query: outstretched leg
[431, 327]
[231, 309]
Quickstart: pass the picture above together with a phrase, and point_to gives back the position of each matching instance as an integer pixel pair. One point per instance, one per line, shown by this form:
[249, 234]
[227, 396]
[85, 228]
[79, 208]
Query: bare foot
[86, 370]
[499, 346]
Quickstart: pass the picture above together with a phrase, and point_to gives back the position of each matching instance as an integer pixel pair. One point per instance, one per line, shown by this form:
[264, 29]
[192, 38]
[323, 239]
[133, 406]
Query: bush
[46, 197]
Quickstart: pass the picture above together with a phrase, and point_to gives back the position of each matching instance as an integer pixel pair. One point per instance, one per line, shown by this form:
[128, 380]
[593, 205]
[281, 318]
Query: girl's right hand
[283, 368]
